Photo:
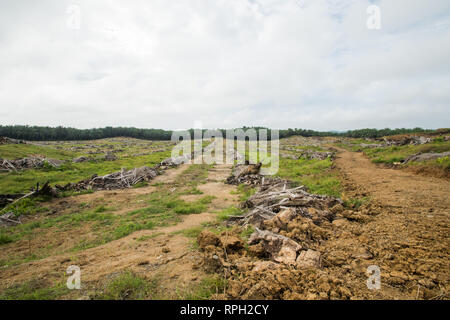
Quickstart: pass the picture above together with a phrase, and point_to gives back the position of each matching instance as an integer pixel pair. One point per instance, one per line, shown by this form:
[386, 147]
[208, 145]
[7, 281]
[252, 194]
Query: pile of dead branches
[276, 196]
[118, 180]
[6, 140]
[308, 154]
[27, 163]
[8, 219]
[289, 156]
[245, 174]
[402, 140]
[318, 155]
[45, 190]
[286, 219]
[110, 156]
[426, 156]
[175, 161]
[6, 199]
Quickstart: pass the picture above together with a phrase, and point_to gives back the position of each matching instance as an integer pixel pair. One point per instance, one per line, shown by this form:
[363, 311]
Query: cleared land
[145, 242]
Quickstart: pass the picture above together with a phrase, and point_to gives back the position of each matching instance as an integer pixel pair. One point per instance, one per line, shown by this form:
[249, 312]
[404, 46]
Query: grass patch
[130, 227]
[128, 286]
[15, 151]
[193, 175]
[244, 192]
[193, 190]
[205, 289]
[190, 208]
[141, 185]
[34, 290]
[355, 203]
[191, 232]
[225, 214]
[316, 175]
[5, 238]
[393, 154]
[151, 236]
[26, 206]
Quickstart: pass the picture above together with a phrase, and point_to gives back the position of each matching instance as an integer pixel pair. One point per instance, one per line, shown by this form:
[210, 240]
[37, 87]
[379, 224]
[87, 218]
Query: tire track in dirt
[164, 255]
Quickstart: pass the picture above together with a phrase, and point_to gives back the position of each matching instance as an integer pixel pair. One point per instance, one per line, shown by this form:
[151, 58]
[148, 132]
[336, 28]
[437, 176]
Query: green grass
[130, 227]
[141, 185]
[225, 214]
[355, 203]
[441, 163]
[151, 236]
[193, 175]
[15, 151]
[204, 290]
[193, 190]
[5, 238]
[190, 208]
[393, 154]
[244, 192]
[27, 206]
[101, 208]
[128, 286]
[191, 232]
[316, 175]
[34, 290]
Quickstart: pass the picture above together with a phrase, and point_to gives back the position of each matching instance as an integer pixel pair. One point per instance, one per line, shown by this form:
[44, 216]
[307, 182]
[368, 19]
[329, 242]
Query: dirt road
[407, 231]
[396, 188]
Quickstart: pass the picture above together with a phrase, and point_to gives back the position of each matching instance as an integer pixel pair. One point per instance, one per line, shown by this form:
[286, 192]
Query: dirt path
[165, 255]
[396, 188]
[407, 230]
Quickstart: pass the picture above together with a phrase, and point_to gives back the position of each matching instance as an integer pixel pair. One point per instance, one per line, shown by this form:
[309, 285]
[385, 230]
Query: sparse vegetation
[317, 175]
[128, 286]
[204, 290]
[34, 290]
[393, 154]
[244, 192]
[228, 212]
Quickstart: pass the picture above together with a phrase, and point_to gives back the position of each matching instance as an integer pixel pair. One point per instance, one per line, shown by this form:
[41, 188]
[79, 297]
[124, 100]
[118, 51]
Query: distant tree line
[360, 133]
[37, 133]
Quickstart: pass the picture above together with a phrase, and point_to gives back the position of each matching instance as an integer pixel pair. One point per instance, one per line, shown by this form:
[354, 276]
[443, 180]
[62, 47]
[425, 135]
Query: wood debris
[282, 215]
[27, 163]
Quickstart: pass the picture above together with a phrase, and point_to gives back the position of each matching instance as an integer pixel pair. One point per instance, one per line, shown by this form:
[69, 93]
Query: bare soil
[410, 234]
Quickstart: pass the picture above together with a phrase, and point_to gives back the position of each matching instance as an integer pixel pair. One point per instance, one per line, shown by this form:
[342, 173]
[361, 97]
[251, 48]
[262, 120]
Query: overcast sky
[225, 63]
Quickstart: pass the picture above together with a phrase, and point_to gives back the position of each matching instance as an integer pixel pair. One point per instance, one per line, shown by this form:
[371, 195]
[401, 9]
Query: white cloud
[167, 64]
